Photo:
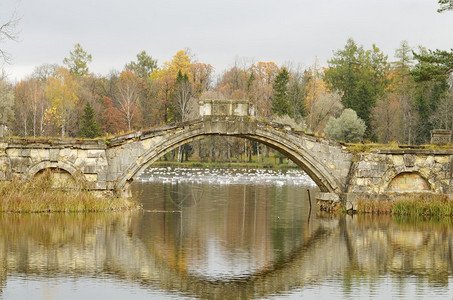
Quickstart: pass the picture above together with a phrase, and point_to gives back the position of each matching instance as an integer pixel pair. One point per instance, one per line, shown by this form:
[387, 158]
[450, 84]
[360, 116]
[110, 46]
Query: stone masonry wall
[401, 171]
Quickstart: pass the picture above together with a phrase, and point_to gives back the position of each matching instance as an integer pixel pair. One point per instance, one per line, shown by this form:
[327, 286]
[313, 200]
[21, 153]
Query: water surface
[224, 234]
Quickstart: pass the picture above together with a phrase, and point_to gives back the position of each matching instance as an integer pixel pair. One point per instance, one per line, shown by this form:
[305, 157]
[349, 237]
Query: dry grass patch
[409, 205]
[39, 195]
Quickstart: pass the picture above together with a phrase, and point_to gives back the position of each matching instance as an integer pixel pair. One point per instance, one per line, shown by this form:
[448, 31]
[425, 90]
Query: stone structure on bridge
[111, 165]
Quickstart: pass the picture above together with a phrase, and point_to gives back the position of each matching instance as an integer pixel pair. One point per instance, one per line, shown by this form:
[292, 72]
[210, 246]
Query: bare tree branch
[8, 32]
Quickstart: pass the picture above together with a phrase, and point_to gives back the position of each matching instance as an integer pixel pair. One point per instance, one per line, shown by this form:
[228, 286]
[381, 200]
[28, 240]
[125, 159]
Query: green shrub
[347, 128]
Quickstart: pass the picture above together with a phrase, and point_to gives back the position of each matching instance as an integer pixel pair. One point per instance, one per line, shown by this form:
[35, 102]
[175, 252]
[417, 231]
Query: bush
[348, 127]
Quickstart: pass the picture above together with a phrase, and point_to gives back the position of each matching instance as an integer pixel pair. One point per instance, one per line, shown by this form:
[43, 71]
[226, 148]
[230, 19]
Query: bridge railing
[223, 107]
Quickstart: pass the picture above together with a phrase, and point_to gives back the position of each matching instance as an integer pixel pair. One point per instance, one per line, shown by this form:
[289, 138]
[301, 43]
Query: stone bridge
[111, 165]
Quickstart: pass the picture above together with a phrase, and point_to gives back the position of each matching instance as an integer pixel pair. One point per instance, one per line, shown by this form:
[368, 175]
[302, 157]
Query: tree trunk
[63, 130]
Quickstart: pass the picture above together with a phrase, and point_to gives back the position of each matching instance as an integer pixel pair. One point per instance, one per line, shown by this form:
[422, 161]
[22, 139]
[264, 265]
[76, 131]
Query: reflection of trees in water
[185, 194]
[347, 248]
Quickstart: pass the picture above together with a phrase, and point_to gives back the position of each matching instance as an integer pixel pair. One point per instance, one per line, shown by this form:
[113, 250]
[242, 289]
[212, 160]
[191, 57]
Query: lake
[224, 234]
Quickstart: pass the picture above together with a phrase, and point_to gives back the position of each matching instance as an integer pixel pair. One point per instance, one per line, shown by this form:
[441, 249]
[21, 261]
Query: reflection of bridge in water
[107, 246]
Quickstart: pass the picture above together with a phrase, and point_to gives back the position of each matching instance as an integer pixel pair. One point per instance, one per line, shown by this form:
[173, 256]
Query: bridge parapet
[221, 107]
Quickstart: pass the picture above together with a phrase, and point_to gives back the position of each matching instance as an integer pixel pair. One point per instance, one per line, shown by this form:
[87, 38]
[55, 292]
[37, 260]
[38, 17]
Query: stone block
[54, 155]
[14, 152]
[364, 165]
[82, 153]
[89, 168]
[409, 160]
[39, 154]
[328, 197]
[398, 160]
[309, 145]
[113, 176]
[442, 159]
[368, 173]
[382, 168]
[25, 152]
[19, 164]
[359, 189]
[95, 153]
[363, 181]
[420, 160]
[102, 176]
[101, 185]
[429, 161]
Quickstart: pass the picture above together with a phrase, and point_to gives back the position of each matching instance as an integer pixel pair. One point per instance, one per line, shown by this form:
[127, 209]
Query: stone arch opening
[269, 136]
[59, 178]
[409, 182]
[63, 174]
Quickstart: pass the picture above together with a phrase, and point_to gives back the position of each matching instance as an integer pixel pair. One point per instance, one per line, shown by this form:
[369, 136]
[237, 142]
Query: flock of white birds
[226, 176]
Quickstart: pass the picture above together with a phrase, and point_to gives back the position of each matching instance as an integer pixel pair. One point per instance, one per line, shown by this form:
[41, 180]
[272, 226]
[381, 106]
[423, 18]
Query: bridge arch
[73, 174]
[273, 136]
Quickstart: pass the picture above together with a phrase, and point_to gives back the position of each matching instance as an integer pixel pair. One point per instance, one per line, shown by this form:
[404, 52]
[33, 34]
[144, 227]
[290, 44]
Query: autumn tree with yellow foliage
[61, 90]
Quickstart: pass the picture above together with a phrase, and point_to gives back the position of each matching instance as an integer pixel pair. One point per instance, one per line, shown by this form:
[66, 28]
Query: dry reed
[39, 195]
[409, 205]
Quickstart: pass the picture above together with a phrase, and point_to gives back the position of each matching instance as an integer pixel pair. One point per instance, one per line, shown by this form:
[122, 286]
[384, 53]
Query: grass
[413, 205]
[368, 147]
[39, 195]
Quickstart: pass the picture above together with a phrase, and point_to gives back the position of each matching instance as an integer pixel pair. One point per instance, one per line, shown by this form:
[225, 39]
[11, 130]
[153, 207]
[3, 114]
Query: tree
[280, 102]
[437, 65]
[144, 66]
[428, 95]
[128, 87]
[6, 102]
[180, 62]
[297, 94]
[402, 87]
[360, 76]
[348, 127]
[236, 82]
[445, 5]
[78, 61]
[259, 79]
[430, 75]
[89, 128]
[327, 105]
[443, 116]
[112, 118]
[201, 77]
[182, 96]
[387, 118]
[43, 72]
[314, 88]
[8, 32]
[166, 78]
[62, 93]
[30, 104]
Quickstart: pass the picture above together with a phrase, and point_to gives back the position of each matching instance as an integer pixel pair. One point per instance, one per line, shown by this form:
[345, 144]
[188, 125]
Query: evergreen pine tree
[280, 104]
[88, 125]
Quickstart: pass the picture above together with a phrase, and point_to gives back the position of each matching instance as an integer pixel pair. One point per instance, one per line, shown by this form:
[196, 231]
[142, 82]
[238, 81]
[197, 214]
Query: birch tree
[128, 87]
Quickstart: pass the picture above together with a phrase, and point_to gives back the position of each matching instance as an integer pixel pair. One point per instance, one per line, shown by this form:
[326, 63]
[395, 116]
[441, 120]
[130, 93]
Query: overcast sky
[216, 31]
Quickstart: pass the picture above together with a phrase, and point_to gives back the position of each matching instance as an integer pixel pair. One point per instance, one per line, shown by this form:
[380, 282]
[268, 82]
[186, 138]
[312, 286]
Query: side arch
[65, 166]
[409, 182]
[266, 135]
